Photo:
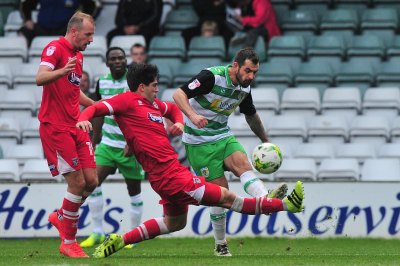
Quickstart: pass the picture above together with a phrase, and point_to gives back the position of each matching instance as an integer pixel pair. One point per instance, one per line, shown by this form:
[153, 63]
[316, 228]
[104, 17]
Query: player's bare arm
[95, 110]
[257, 126]
[47, 75]
[182, 101]
[127, 151]
[84, 100]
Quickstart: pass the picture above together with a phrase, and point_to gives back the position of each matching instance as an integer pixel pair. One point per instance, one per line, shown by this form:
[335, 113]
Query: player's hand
[131, 29]
[199, 120]
[127, 151]
[86, 126]
[69, 66]
[239, 18]
[176, 129]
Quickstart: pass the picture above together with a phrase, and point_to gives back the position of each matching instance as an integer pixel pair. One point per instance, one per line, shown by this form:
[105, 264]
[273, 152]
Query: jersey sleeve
[170, 111]
[50, 55]
[246, 106]
[200, 84]
[117, 104]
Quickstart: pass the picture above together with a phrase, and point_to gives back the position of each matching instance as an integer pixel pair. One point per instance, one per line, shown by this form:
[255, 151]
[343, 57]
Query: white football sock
[136, 210]
[96, 202]
[253, 185]
[218, 221]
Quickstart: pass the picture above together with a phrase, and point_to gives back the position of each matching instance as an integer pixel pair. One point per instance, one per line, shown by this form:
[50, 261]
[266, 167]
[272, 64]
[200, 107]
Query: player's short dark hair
[112, 49]
[246, 53]
[141, 73]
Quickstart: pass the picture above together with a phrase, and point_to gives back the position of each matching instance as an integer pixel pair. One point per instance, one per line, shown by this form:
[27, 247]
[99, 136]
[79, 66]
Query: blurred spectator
[138, 54]
[168, 5]
[258, 18]
[208, 10]
[139, 17]
[85, 83]
[209, 28]
[53, 16]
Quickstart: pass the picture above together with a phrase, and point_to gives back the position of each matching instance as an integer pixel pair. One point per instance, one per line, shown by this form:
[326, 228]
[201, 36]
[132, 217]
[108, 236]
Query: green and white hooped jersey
[108, 87]
[216, 106]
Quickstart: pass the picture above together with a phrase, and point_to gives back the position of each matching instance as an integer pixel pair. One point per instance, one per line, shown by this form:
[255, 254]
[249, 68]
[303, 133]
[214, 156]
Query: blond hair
[77, 20]
[209, 25]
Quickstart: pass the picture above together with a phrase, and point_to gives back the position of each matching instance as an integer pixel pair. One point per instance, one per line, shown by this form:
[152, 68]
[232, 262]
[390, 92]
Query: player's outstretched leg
[112, 244]
[262, 205]
[279, 192]
[294, 201]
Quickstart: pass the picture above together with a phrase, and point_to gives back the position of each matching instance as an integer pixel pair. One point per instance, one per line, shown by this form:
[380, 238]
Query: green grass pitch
[198, 251]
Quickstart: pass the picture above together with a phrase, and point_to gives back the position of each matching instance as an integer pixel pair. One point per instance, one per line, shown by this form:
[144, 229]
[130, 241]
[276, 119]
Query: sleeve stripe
[109, 107]
[47, 64]
[166, 108]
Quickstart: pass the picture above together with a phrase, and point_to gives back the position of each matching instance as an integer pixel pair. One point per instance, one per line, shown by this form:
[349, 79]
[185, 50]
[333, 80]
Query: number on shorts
[90, 147]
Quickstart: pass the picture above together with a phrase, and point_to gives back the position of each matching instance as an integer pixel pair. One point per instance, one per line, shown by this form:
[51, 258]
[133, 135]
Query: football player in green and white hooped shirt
[112, 153]
[207, 100]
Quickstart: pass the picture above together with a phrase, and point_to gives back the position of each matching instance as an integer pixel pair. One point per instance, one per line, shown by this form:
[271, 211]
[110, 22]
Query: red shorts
[180, 188]
[67, 149]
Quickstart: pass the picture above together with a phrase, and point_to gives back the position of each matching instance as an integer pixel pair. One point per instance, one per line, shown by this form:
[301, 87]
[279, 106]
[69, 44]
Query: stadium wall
[332, 210]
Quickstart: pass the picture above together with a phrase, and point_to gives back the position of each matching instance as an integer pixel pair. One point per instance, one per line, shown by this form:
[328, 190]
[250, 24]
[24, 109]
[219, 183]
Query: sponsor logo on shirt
[50, 50]
[220, 106]
[194, 84]
[154, 117]
[74, 78]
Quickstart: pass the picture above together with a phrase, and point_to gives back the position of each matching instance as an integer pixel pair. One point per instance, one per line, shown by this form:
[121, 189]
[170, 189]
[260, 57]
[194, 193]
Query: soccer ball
[266, 158]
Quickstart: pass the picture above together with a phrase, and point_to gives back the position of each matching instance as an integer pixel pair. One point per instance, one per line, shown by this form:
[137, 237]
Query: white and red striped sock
[256, 205]
[147, 230]
[70, 212]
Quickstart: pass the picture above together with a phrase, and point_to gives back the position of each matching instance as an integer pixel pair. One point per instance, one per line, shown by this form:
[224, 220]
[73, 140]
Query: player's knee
[176, 225]
[91, 179]
[240, 164]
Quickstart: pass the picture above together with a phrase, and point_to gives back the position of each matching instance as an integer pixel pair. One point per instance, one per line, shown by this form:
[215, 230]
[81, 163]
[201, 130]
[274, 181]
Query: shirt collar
[227, 77]
[66, 43]
[122, 78]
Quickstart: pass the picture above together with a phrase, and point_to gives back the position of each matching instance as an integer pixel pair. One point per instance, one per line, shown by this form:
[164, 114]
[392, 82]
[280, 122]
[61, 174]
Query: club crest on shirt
[52, 168]
[205, 172]
[196, 180]
[155, 117]
[75, 161]
[155, 105]
[74, 78]
[194, 84]
[50, 50]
